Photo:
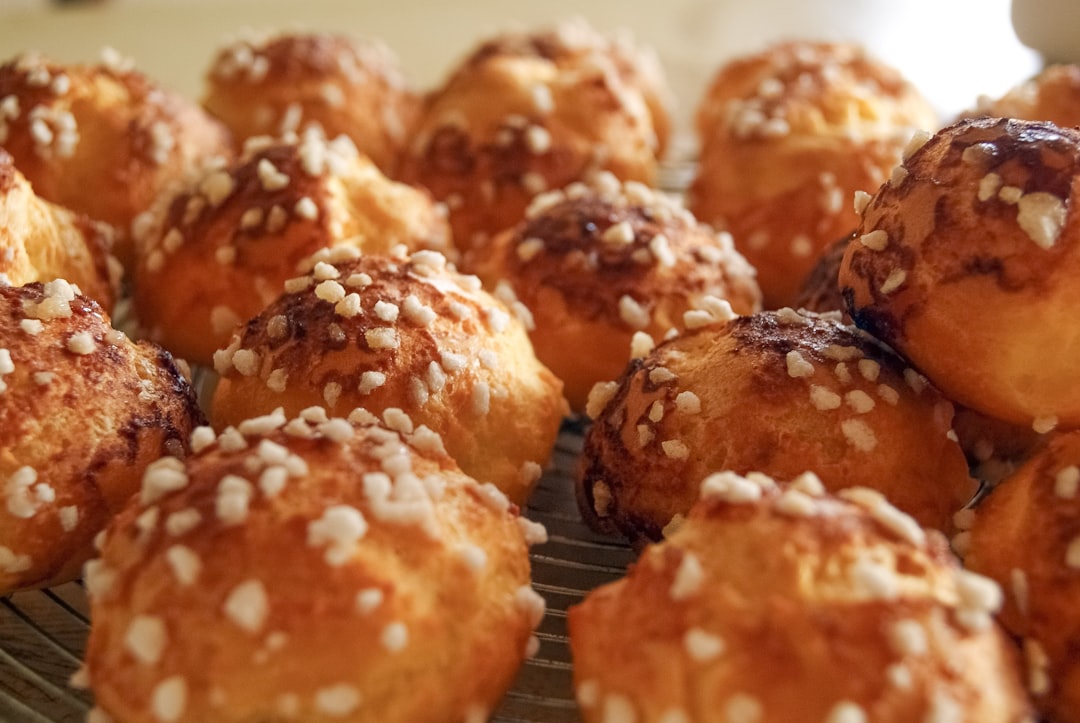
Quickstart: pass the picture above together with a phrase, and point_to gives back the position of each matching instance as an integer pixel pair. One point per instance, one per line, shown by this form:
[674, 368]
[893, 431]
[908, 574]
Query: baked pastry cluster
[216, 252]
[788, 135]
[780, 602]
[779, 392]
[310, 569]
[273, 83]
[405, 333]
[103, 139]
[524, 114]
[604, 265]
[964, 263]
[344, 543]
[83, 411]
[41, 241]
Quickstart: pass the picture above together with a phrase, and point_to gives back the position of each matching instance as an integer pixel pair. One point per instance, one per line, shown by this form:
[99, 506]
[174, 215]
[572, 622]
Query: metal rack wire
[43, 632]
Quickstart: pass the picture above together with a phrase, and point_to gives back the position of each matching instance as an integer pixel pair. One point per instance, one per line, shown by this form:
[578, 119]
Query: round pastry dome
[966, 262]
[310, 569]
[779, 602]
[83, 411]
[406, 333]
[776, 392]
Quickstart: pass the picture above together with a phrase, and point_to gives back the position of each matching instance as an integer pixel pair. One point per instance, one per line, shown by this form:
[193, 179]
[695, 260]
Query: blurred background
[953, 50]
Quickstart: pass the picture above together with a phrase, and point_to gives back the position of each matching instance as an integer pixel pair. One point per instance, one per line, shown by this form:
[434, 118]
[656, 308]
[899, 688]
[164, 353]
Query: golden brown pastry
[520, 116]
[408, 334]
[1025, 537]
[777, 603]
[575, 42]
[1052, 95]
[787, 137]
[83, 411]
[40, 241]
[776, 392]
[597, 264]
[101, 139]
[966, 263]
[213, 255]
[310, 570]
[281, 82]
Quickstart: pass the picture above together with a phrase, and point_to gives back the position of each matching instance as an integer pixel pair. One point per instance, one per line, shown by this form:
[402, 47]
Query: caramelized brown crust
[597, 264]
[284, 82]
[775, 603]
[410, 334]
[1025, 537]
[83, 410]
[102, 140]
[1052, 95]
[788, 136]
[777, 392]
[820, 291]
[966, 263]
[308, 571]
[40, 241]
[508, 125]
[213, 255]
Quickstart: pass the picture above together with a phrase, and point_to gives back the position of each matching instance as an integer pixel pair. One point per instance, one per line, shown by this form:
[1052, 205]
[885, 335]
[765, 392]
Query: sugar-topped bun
[40, 241]
[575, 42]
[776, 602]
[280, 82]
[213, 255]
[310, 570]
[967, 264]
[408, 334]
[524, 116]
[1052, 95]
[777, 392]
[83, 411]
[1025, 536]
[101, 139]
[597, 264]
[788, 135]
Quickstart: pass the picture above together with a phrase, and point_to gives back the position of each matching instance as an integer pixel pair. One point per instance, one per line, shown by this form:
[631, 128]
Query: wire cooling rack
[43, 632]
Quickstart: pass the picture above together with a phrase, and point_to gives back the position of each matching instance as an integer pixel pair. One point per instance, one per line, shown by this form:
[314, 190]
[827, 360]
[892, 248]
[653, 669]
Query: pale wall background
[953, 50]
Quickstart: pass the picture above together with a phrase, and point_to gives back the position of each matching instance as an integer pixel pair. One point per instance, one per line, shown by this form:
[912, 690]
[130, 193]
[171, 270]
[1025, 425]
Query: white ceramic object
[1051, 27]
